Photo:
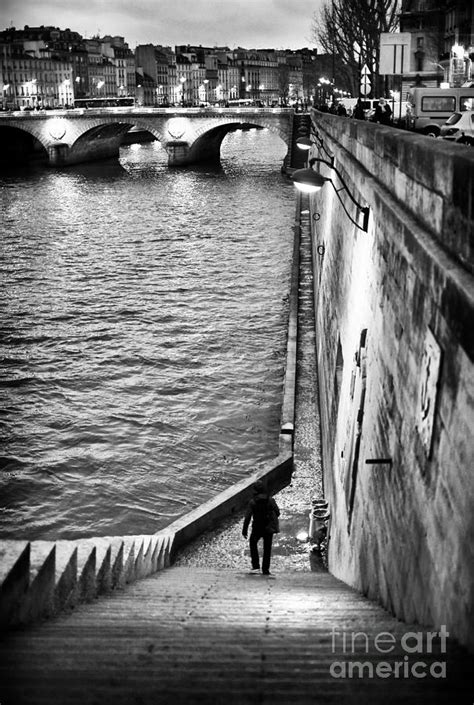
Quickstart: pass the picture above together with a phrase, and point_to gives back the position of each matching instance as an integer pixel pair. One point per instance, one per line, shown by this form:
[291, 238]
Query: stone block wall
[395, 349]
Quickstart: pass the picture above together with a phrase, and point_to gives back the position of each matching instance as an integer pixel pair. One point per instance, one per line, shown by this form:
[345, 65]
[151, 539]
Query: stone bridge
[189, 135]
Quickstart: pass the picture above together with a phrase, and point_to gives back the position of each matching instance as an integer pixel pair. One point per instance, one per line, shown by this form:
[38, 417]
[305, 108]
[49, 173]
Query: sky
[253, 24]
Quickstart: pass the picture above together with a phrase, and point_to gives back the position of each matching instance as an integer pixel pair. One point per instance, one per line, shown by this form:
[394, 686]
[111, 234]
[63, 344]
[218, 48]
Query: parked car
[459, 127]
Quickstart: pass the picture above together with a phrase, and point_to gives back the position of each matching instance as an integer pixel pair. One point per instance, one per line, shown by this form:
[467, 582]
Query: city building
[441, 49]
[28, 82]
[122, 57]
[154, 75]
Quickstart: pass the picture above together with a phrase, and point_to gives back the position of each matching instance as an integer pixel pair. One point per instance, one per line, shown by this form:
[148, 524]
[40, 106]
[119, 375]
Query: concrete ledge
[289, 394]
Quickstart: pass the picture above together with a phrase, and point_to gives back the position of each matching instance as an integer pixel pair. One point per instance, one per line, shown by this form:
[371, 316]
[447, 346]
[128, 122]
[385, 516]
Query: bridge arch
[19, 145]
[208, 142]
[251, 121]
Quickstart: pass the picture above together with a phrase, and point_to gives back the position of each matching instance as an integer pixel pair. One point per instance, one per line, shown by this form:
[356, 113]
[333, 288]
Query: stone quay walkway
[206, 631]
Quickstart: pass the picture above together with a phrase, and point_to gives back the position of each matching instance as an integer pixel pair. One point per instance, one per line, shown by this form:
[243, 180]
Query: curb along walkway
[205, 631]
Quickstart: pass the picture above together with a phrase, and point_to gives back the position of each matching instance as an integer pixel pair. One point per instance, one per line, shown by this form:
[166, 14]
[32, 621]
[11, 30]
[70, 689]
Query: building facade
[441, 49]
[32, 83]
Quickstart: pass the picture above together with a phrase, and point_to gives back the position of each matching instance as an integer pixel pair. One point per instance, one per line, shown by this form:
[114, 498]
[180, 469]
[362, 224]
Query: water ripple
[143, 336]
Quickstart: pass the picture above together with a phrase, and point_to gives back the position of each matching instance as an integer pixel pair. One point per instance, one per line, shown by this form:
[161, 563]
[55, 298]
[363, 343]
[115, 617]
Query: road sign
[394, 53]
[365, 71]
[365, 85]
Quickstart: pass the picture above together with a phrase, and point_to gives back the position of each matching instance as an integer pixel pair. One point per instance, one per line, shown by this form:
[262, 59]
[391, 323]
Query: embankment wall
[395, 349]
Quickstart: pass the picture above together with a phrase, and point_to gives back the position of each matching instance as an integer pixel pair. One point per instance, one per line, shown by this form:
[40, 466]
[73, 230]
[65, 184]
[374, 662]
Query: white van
[429, 108]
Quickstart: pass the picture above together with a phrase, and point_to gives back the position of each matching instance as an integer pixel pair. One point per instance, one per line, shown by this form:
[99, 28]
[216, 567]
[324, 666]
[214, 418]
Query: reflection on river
[144, 315]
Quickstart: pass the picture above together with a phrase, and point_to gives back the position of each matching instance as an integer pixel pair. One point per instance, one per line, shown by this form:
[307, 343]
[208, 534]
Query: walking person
[264, 512]
[383, 113]
[358, 112]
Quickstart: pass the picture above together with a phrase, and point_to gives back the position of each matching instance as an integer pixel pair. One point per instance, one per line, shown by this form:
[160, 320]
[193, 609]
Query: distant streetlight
[183, 81]
[6, 88]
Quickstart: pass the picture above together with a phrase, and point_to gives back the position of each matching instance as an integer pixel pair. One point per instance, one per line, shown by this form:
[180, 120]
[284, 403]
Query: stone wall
[395, 348]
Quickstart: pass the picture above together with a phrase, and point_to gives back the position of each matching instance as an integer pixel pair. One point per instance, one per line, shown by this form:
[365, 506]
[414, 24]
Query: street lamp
[5, 89]
[206, 94]
[309, 181]
[183, 81]
[66, 84]
[456, 64]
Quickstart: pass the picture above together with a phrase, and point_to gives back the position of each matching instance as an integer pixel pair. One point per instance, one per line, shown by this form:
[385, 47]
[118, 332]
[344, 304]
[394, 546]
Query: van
[429, 108]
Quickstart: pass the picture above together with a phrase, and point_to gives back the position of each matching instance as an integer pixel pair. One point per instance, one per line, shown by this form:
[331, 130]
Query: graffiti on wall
[430, 369]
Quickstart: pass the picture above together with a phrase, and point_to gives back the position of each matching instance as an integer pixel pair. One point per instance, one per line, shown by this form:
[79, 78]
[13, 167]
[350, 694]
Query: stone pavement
[205, 631]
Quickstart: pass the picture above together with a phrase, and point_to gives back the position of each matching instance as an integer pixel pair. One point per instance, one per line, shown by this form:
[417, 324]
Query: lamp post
[6, 87]
[456, 65]
[66, 84]
[29, 91]
[206, 94]
[183, 81]
[78, 91]
[310, 181]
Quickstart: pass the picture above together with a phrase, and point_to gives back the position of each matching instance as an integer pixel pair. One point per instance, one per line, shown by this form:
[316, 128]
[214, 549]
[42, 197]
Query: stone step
[194, 635]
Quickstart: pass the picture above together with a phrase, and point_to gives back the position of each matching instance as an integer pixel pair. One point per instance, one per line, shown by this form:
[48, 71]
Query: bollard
[318, 517]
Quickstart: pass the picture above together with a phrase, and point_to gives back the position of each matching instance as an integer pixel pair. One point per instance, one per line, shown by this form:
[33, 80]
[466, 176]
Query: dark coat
[358, 113]
[264, 512]
[383, 114]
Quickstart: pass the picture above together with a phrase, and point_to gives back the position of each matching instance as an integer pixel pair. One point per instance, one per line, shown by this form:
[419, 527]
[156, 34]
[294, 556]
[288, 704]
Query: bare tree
[350, 31]
[283, 83]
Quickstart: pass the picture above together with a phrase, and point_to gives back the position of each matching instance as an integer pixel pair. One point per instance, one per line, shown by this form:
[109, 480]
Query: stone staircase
[301, 128]
[221, 636]
[39, 579]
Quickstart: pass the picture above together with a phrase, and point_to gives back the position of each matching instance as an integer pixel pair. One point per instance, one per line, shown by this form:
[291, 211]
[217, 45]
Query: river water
[143, 336]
